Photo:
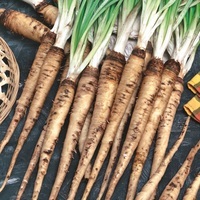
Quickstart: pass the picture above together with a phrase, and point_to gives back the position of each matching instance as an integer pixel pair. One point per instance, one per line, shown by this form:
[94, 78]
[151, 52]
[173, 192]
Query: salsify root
[107, 86]
[29, 88]
[165, 126]
[84, 131]
[169, 77]
[152, 183]
[117, 140]
[32, 164]
[173, 188]
[82, 138]
[85, 94]
[23, 24]
[46, 79]
[116, 145]
[147, 93]
[192, 190]
[48, 12]
[56, 119]
[36, 154]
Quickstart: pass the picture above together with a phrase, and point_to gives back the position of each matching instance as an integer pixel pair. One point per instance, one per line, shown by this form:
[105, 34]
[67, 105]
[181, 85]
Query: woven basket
[9, 79]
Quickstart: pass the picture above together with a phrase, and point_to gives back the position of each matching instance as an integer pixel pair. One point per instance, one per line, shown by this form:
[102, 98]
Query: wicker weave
[9, 79]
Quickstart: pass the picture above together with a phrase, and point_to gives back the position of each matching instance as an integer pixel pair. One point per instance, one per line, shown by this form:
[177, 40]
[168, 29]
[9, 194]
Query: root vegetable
[86, 89]
[84, 131]
[192, 190]
[83, 137]
[169, 76]
[29, 88]
[33, 162]
[107, 86]
[173, 188]
[116, 145]
[57, 115]
[165, 125]
[36, 154]
[49, 12]
[148, 91]
[47, 76]
[23, 24]
[118, 136]
[152, 183]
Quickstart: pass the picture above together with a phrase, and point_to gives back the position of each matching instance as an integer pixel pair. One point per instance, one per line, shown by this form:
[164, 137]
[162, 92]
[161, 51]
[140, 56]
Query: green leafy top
[164, 32]
[126, 8]
[129, 11]
[187, 34]
[64, 22]
[89, 12]
[153, 13]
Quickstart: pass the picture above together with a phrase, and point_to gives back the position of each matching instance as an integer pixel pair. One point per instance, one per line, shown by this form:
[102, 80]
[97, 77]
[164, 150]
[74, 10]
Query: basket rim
[6, 107]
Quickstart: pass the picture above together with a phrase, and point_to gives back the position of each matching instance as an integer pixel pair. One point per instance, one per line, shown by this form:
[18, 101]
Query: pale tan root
[165, 125]
[107, 87]
[192, 190]
[167, 84]
[82, 138]
[127, 85]
[118, 136]
[56, 119]
[29, 88]
[152, 183]
[33, 162]
[116, 144]
[84, 131]
[23, 24]
[48, 11]
[84, 96]
[173, 188]
[85, 93]
[45, 81]
[37, 150]
[147, 93]
[164, 129]
[36, 153]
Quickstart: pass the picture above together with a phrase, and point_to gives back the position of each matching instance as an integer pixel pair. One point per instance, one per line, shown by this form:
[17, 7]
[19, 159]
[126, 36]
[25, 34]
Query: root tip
[3, 185]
